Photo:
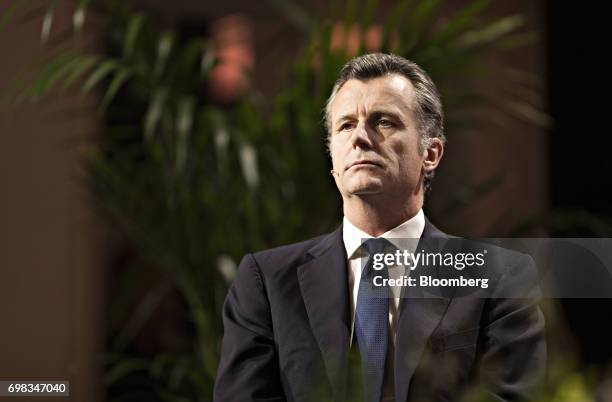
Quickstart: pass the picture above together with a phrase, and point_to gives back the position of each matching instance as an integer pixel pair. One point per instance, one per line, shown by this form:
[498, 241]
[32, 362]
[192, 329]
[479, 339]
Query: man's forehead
[389, 91]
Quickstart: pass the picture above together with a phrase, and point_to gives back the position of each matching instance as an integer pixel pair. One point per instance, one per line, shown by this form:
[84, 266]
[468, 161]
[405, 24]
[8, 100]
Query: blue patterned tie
[372, 323]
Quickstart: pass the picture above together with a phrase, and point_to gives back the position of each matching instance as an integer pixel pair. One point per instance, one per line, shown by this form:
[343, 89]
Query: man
[295, 314]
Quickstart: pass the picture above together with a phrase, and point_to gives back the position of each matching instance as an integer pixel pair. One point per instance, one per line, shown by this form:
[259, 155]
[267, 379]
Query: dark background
[580, 160]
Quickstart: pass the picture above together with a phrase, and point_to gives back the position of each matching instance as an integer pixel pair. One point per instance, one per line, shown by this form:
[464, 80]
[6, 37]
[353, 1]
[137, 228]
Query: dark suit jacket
[287, 328]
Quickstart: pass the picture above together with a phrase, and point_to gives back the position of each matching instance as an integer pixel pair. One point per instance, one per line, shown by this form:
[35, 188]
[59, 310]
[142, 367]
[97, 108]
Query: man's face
[374, 140]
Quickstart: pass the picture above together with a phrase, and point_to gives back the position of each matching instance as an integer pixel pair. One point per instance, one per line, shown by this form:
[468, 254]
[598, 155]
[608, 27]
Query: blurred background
[146, 146]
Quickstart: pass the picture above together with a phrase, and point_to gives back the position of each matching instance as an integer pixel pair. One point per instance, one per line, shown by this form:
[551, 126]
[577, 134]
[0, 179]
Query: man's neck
[376, 218]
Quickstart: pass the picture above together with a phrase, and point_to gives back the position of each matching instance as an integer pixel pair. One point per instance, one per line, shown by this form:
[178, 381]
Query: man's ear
[433, 154]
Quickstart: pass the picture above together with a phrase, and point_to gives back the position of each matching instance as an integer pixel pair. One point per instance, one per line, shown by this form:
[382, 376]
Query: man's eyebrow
[386, 112]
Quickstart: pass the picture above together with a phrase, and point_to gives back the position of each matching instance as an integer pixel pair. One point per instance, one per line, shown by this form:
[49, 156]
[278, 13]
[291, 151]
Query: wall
[51, 288]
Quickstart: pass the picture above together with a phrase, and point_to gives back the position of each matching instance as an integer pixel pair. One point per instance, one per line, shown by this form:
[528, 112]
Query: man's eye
[345, 126]
[385, 123]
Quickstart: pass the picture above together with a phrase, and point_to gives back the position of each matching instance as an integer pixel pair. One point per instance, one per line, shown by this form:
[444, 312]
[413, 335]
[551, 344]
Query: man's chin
[366, 190]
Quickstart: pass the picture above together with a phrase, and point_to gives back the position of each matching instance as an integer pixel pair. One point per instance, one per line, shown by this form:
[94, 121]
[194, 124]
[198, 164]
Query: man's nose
[361, 137]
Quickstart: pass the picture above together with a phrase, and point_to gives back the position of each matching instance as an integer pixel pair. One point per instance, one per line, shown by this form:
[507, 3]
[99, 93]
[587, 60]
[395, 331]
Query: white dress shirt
[402, 237]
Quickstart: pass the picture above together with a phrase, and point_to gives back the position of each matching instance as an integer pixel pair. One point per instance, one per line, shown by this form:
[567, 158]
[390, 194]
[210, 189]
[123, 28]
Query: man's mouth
[362, 163]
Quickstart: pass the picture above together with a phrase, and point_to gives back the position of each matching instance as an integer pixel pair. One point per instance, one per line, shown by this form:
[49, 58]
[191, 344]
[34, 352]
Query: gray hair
[428, 107]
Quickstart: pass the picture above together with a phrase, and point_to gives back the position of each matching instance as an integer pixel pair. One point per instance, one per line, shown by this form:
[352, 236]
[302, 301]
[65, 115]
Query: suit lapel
[419, 316]
[324, 286]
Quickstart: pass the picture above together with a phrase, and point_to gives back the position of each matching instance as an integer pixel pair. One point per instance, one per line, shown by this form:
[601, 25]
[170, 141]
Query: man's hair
[427, 107]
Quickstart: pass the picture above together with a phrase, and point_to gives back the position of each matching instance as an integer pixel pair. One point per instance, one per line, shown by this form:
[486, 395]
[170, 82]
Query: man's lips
[363, 162]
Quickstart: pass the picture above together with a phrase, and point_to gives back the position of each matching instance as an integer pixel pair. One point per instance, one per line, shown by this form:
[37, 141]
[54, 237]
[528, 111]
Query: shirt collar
[399, 236]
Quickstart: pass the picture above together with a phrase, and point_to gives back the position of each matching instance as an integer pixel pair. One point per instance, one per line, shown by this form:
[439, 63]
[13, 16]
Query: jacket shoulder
[293, 255]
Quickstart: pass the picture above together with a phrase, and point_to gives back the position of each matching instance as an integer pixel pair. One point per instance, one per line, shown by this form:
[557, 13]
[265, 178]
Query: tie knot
[375, 246]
